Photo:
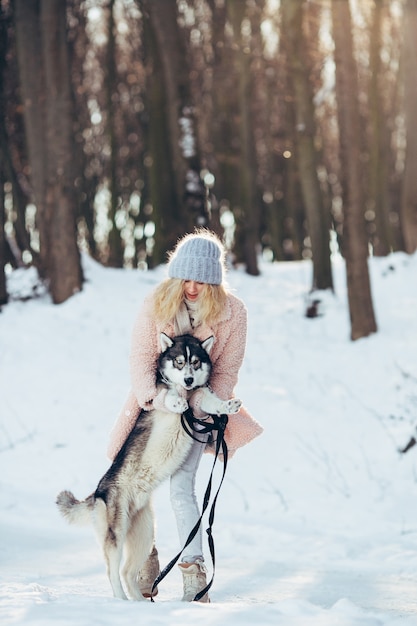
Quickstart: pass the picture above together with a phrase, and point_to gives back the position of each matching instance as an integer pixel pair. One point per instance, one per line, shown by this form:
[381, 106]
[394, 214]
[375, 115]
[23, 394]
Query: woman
[194, 299]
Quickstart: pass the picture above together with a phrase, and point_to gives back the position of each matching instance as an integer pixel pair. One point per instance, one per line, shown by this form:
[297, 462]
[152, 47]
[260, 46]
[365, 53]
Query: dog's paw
[214, 406]
[175, 403]
[232, 406]
[228, 406]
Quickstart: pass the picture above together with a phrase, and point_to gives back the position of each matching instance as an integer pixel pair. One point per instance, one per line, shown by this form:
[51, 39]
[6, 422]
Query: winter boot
[150, 570]
[194, 579]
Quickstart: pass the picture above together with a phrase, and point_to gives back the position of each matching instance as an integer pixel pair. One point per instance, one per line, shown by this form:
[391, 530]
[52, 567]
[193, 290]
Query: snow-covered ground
[316, 523]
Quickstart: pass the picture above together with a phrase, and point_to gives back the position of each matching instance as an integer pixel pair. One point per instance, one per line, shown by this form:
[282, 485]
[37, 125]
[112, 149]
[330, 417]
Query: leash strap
[192, 425]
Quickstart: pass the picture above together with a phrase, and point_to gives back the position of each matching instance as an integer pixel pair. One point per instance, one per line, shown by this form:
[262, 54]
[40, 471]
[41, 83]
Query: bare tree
[177, 193]
[3, 143]
[409, 191]
[47, 100]
[379, 199]
[3, 286]
[247, 210]
[305, 132]
[18, 237]
[115, 257]
[355, 245]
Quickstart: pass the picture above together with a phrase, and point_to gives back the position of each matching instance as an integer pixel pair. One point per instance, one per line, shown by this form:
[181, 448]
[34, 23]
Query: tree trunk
[177, 192]
[159, 174]
[3, 143]
[224, 88]
[409, 191]
[115, 245]
[3, 285]
[355, 241]
[382, 239]
[248, 211]
[48, 109]
[305, 131]
[9, 173]
[64, 270]
[33, 90]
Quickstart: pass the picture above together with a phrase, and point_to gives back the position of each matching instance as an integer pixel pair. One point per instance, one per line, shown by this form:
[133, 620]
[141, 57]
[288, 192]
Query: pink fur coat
[226, 355]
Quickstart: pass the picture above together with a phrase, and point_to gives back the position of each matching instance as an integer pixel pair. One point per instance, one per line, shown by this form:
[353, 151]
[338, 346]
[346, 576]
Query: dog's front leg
[213, 405]
[174, 402]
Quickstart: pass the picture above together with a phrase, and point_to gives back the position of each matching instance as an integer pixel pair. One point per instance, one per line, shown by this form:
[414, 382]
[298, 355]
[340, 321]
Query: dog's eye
[195, 362]
[179, 362]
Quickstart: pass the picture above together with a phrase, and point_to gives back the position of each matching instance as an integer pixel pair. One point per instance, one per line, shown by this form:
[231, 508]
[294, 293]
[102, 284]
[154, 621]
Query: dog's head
[185, 361]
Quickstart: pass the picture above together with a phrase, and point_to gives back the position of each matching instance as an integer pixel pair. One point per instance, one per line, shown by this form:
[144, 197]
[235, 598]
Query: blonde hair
[169, 296]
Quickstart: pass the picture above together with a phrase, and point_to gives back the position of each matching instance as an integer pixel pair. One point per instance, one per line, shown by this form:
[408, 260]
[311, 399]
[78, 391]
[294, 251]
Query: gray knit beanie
[198, 257]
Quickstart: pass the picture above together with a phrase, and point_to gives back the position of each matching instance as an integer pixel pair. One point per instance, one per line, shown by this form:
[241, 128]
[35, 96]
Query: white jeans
[184, 501]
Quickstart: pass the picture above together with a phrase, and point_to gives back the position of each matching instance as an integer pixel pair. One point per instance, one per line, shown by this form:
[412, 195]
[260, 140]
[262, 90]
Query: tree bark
[355, 241]
[64, 270]
[9, 174]
[383, 238]
[239, 166]
[48, 109]
[3, 40]
[33, 95]
[177, 192]
[409, 191]
[3, 284]
[305, 132]
[159, 174]
[115, 245]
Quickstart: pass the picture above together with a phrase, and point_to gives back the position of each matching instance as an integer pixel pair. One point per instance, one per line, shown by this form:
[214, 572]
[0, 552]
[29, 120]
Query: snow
[316, 523]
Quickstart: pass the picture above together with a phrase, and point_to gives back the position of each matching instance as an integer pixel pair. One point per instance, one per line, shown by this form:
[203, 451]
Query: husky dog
[121, 508]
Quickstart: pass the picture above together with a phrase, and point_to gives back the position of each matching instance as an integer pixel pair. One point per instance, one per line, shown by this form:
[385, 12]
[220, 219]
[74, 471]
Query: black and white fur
[121, 508]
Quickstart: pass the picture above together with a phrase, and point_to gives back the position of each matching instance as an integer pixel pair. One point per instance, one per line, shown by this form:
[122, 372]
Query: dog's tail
[75, 511]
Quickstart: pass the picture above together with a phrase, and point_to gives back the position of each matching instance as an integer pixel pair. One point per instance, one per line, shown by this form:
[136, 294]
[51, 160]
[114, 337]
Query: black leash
[193, 426]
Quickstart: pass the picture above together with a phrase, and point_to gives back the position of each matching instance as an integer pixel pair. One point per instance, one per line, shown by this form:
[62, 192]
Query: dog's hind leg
[112, 545]
[113, 554]
[138, 545]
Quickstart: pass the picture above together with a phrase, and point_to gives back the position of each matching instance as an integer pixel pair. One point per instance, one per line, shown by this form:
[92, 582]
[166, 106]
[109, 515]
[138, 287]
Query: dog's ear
[207, 344]
[166, 342]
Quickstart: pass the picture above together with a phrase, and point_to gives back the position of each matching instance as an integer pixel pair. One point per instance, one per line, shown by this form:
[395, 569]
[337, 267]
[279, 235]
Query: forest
[286, 126]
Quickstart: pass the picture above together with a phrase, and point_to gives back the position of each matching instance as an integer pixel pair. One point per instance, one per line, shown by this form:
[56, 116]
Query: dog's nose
[188, 381]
